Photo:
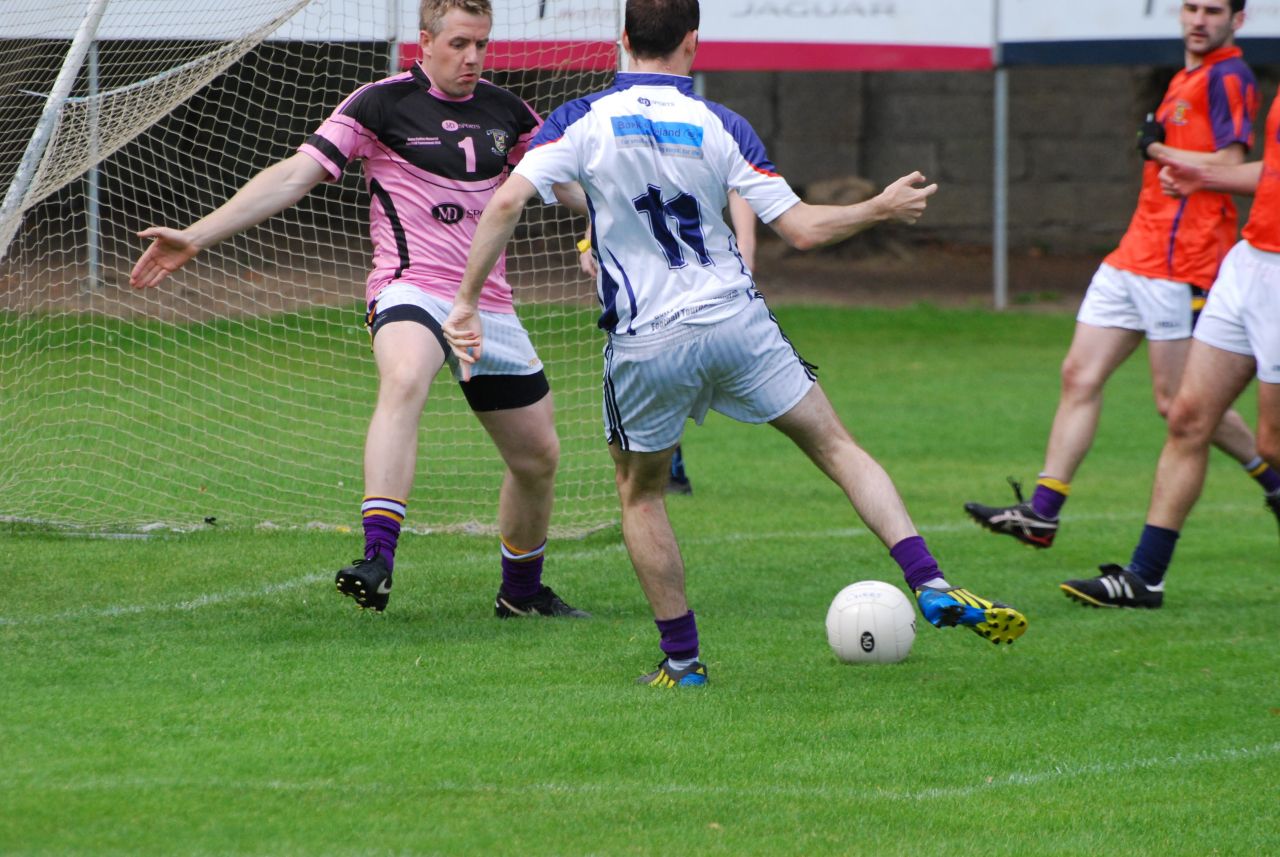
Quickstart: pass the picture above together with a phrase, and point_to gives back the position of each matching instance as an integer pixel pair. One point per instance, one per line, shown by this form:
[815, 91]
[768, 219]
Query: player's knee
[1079, 380]
[1189, 423]
[538, 461]
[403, 384]
[638, 484]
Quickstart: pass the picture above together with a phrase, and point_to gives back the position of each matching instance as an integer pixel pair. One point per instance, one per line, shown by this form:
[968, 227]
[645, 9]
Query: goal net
[239, 391]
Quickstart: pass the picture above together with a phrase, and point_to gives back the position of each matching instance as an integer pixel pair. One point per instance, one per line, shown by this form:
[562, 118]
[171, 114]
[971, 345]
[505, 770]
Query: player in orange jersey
[1238, 336]
[1153, 284]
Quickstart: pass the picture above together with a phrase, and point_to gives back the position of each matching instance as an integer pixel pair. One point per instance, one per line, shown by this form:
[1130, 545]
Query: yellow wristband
[584, 245]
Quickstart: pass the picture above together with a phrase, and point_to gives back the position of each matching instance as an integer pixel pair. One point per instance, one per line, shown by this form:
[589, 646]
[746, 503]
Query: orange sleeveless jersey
[1263, 228]
[1205, 109]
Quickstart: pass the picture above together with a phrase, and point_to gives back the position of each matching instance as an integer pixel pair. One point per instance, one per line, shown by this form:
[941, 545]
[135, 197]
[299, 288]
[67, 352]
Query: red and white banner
[764, 35]
[775, 35]
[795, 35]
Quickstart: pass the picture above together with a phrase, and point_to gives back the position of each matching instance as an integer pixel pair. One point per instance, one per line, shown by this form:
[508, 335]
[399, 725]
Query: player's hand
[905, 199]
[465, 335]
[1179, 179]
[169, 251]
[1151, 132]
[587, 262]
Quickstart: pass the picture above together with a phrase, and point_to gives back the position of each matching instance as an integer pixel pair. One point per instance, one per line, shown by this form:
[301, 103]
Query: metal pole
[1000, 216]
[11, 209]
[94, 212]
[393, 36]
[1000, 172]
[624, 62]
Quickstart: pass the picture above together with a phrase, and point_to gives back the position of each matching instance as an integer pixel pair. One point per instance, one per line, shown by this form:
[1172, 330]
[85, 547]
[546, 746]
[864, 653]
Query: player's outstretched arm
[805, 226]
[462, 329]
[269, 192]
[1179, 178]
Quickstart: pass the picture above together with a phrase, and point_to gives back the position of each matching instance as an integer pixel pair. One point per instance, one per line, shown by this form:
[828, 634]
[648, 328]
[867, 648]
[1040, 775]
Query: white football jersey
[657, 162]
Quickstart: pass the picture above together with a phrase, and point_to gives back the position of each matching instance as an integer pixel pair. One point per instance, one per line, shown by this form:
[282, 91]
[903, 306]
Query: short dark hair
[655, 28]
[431, 12]
[1237, 6]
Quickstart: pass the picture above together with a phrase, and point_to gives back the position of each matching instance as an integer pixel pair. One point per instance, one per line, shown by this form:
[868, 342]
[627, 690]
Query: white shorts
[743, 367]
[507, 349]
[1159, 308]
[1243, 313]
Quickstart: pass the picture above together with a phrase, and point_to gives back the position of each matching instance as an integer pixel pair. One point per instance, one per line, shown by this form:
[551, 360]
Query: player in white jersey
[434, 143]
[687, 329]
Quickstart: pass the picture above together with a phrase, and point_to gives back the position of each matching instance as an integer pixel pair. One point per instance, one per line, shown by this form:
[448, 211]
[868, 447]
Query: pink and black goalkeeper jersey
[431, 164]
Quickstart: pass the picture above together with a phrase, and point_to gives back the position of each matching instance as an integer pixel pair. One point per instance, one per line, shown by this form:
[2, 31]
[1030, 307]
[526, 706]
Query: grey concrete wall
[1074, 173]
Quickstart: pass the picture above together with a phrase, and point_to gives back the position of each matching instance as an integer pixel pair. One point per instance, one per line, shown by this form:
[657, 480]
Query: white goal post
[240, 390]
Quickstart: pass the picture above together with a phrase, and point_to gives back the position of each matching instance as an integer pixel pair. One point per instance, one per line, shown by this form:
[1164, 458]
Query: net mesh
[240, 389]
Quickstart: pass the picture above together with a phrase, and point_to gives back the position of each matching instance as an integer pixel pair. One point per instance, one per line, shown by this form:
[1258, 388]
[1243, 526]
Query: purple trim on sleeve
[1221, 105]
[564, 116]
[749, 143]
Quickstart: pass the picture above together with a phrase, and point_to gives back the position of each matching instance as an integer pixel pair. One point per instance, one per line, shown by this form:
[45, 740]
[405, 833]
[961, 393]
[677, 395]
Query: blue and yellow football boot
[946, 608]
[694, 675]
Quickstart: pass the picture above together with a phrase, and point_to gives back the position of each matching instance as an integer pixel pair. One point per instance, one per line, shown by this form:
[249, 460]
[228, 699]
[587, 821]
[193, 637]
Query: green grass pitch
[209, 693]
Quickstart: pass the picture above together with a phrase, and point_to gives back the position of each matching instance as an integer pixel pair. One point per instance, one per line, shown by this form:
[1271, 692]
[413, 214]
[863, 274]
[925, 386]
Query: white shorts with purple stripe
[743, 367]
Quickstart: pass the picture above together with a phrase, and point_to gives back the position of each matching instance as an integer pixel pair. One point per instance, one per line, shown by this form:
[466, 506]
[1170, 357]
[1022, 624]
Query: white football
[871, 622]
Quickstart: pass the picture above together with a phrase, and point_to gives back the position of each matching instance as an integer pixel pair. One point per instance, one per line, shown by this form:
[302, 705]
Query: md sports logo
[448, 212]
[868, 642]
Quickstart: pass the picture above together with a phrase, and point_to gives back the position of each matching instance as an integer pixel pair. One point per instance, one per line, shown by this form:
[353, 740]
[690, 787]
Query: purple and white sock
[1264, 474]
[522, 570]
[382, 517]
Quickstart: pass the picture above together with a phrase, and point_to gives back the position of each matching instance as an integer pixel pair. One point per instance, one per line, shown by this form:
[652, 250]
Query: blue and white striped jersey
[657, 163]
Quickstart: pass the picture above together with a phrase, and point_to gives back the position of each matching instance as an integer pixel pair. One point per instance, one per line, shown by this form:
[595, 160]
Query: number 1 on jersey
[684, 210]
[468, 146]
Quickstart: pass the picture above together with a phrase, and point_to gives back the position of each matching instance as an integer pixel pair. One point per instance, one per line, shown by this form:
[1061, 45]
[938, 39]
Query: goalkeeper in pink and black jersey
[435, 143]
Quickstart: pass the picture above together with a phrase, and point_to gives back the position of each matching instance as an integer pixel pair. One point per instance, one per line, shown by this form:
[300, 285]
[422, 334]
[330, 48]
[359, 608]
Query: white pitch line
[200, 601]
[566, 551]
[1017, 780]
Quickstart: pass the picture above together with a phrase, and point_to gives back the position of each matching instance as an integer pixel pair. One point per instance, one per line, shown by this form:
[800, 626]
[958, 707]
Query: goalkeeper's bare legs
[527, 441]
[526, 438]
[408, 356]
